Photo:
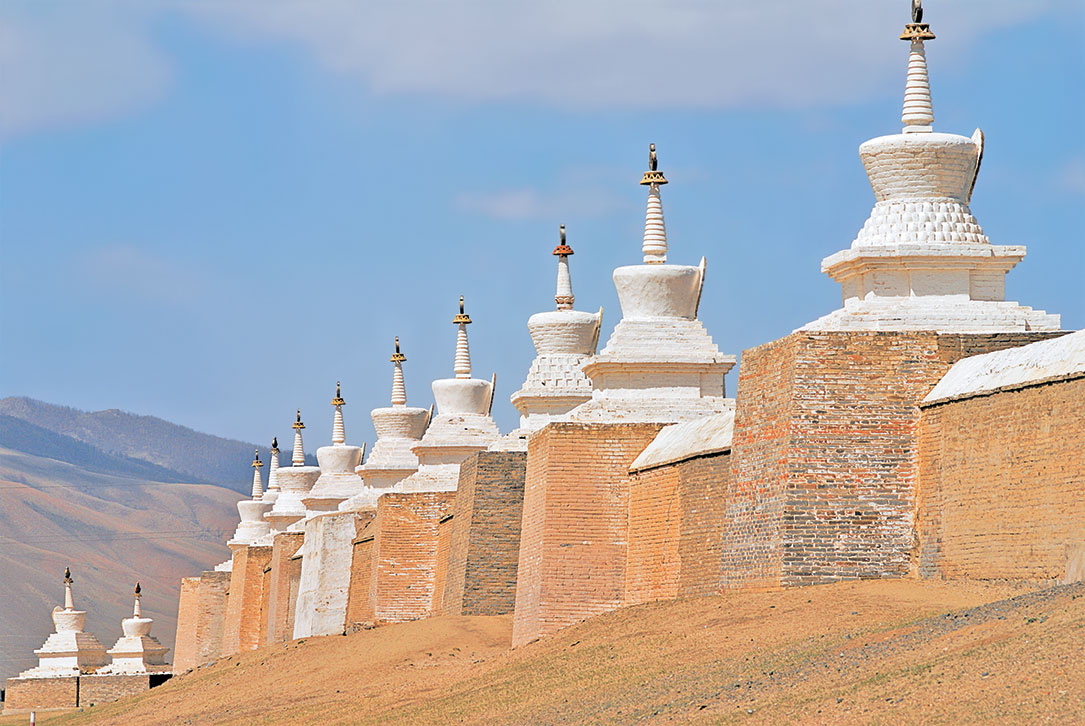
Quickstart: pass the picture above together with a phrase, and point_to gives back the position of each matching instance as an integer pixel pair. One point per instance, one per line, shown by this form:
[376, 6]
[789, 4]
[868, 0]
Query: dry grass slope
[889, 652]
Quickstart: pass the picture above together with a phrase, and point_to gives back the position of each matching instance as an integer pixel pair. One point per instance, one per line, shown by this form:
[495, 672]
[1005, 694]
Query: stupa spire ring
[298, 458]
[257, 484]
[273, 468]
[69, 602]
[339, 432]
[462, 365]
[654, 245]
[918, 112]
[399, 389]
[564, 296]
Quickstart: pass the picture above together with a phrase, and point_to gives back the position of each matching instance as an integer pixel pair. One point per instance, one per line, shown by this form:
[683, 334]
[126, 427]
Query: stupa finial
[654, 245]
[257, 484]
[137, 611]
[339, 432]
[918, 112]
[564, 295]
[399, 389]
[298, 458]
[462, 365]
[273, 468]
[69, 603]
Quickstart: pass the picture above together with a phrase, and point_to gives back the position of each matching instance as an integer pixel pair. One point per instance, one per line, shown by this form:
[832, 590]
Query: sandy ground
[889, 652]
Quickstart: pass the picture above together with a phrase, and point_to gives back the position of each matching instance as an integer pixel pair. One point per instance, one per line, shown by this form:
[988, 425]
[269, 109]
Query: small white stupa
[69, 651]
[137, 651]
[294, 483]
[564, 339]
[399, 429]
[660, 365]
[338, 480]
[253, 526]
[461, 427]
[272, 491]
[921, 261]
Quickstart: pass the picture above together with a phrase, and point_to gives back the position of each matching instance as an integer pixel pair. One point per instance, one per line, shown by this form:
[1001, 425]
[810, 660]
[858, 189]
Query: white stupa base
[951, 314]
[443, 477]
[68, 654]
[648, 407]
[253, 525]
[137, 654]
[295, 484]
[227, 566]
[515, 440]
[338, 480]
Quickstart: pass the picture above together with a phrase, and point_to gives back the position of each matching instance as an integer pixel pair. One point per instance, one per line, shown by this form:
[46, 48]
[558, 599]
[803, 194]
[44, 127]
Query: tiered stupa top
[462, 425]
[295, 482]
[272, 491]
[399, 429]
[137, 651]
[338, 480]
[69, 651]
[252, 526]
[660, 365]
[564, 339]
[921, 261]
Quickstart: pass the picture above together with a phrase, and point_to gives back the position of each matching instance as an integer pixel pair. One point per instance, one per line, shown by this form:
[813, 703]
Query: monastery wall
[826, 453]
[282, 595]
[405, 553]
[1001, 479]
[574, 538]
[188, 606]
[485, 535]
[25, 694]
[360, 597]
[104, 689]
[675, 529]
[444, 548]
[325, 573]
[241, 627]
[210, 617]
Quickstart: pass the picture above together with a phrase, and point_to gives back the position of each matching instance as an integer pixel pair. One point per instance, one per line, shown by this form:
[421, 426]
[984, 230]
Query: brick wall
[440, 576]
[676, 529]
[826, 454]
[103, 689]
[25, 694]
[214, 588]
[360, 598]
[280, 604]
[241, 627]
[405, 553]
[485, 534]
[574, 534]
[188, 605]
[1001, 484]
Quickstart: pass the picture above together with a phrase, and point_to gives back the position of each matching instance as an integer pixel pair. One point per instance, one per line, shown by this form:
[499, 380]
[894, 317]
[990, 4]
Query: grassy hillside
[883, 652]
[189, 454]
[111, 530]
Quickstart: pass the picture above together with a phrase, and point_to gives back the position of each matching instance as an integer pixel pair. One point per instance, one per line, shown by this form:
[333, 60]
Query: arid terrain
[886, 652]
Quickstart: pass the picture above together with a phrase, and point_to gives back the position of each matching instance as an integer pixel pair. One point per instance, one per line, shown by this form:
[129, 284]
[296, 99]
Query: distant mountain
[176, 453]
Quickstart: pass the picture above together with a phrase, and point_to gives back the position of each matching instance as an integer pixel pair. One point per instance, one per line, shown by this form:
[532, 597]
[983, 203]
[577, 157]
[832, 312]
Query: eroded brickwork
[1002, 479]
[444, 547]
[360, 598]
[188, 605]
[213, 592]
[280, 605]
[485, 534]
[405, 553]
[241, 629]
[25, 694]
[826, 452]
[574, 537]
[104, 689]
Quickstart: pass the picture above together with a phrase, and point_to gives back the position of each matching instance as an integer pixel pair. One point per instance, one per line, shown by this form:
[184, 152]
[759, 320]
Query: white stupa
[252, 526]
[461, 427]
[137, 652]
[660, 365]
[921, 261]
[294, 483]
[564, 339]
[399, 429]
[338, 480]
[272, 491]
[69, 651]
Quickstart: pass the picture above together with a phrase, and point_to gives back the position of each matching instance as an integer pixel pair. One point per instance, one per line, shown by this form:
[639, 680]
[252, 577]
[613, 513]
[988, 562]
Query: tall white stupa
[660, 365]
[137, 652]
[69, 651]
[921, 261]
[399, 429]
[252, 526]
[295, 482]
[272, 491]
[338, 480]
[461, 427]
[564, 339]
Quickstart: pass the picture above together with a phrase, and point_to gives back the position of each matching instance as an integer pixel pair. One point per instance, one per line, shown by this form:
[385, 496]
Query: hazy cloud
[529, 203]
[1072, 177]
[128, 271]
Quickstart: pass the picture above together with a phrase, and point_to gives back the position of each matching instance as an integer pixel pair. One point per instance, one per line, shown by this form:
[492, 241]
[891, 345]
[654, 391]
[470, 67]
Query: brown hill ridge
[896, 652]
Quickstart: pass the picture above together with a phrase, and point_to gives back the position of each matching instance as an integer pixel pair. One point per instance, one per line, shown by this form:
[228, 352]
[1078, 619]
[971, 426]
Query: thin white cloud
[64, 64]
[534, 204]
[1072, 177]
[134, 274]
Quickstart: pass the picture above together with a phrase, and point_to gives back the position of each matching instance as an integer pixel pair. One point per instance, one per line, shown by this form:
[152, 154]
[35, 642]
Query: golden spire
[256, 463]
[462, 318]
[398, 357]
[563, 248]
[917, 29]
[298, 425]
[653, 175]
[338, 400]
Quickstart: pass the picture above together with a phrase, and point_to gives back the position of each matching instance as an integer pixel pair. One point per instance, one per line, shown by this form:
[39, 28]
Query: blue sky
[211, 211]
